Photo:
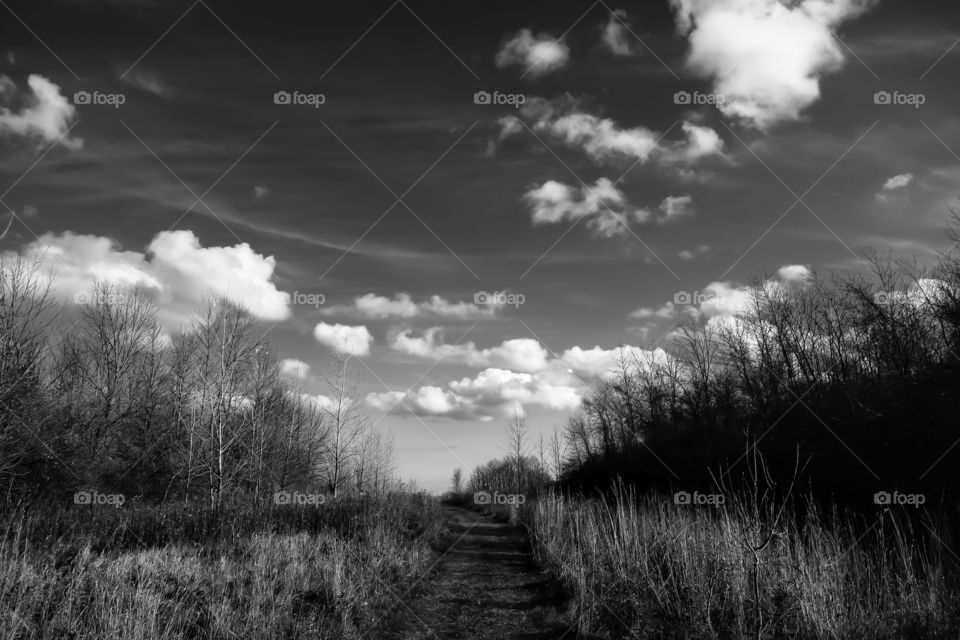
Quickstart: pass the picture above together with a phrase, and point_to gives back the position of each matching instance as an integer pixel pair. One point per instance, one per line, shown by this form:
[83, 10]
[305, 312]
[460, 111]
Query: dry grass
[337, 578]
[660, 570]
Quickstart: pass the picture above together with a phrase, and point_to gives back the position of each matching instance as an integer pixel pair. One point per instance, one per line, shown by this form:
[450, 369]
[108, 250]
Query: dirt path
[486, 587]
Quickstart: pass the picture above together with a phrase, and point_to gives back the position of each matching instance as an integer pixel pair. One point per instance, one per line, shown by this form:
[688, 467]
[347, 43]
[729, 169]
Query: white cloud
[724, 299]
[668, 310]
[898, 182]
[175, 268]
[691, 254]
[674, 207]
[614, 37]
[795, 274]
[540, 54]
[605, 141]
[401, 305]
[44, 114]
[518, 354]
[604, 205]
[492, 393]
[294, 368]
[351, 340]
[765, 57]
[523, 354]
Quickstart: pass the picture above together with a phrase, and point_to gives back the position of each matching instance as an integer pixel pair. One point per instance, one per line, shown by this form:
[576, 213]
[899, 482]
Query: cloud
[898, 182]
[614, 38]
[559, 383]
[175, 269]
[795, 274]
[893, 184]
[492, 393]
[765, 57]
[692, 254]
[605, 141]
[523, 354]
[44, 114]
[603, 204]
[518, 354]
[401, 305]
[668, 310]
[351, 340]
[145, 81]
[294, 368]
[540, 54]
[674, 207]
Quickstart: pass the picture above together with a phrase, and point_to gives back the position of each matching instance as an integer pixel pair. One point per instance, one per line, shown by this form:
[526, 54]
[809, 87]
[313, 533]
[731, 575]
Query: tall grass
[332, 572]
[655, 569]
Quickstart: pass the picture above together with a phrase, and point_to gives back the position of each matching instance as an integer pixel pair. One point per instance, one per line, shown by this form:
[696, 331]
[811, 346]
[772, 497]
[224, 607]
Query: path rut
[486, 586]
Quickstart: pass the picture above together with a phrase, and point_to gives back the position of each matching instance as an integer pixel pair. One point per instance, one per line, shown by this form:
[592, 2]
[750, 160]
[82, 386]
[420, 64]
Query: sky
[484, 205]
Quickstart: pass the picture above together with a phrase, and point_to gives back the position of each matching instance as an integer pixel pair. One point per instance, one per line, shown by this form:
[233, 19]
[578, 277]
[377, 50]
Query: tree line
[854, 375]
[100, 397]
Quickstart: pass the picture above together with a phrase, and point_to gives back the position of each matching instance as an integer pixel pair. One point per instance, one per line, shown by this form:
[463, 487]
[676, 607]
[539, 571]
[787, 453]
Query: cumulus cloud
[765, 57]
[350, 340]
[492, 393]
[522, 354]
[725, 300]
[518, 354]
[603, 204]
[898, 182]
[615, 38]
[43, 114]
[605, 141]
[668, 310]
[539, 54]
[795, 274]
[293, 368]
[674, 207]
[175, 268]
[893, 184]
[515, 373]
[694, 253]
[402, 305]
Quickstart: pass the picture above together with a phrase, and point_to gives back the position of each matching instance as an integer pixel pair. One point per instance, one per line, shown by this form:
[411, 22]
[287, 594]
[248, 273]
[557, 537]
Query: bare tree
[345, 419]
[516, 441]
